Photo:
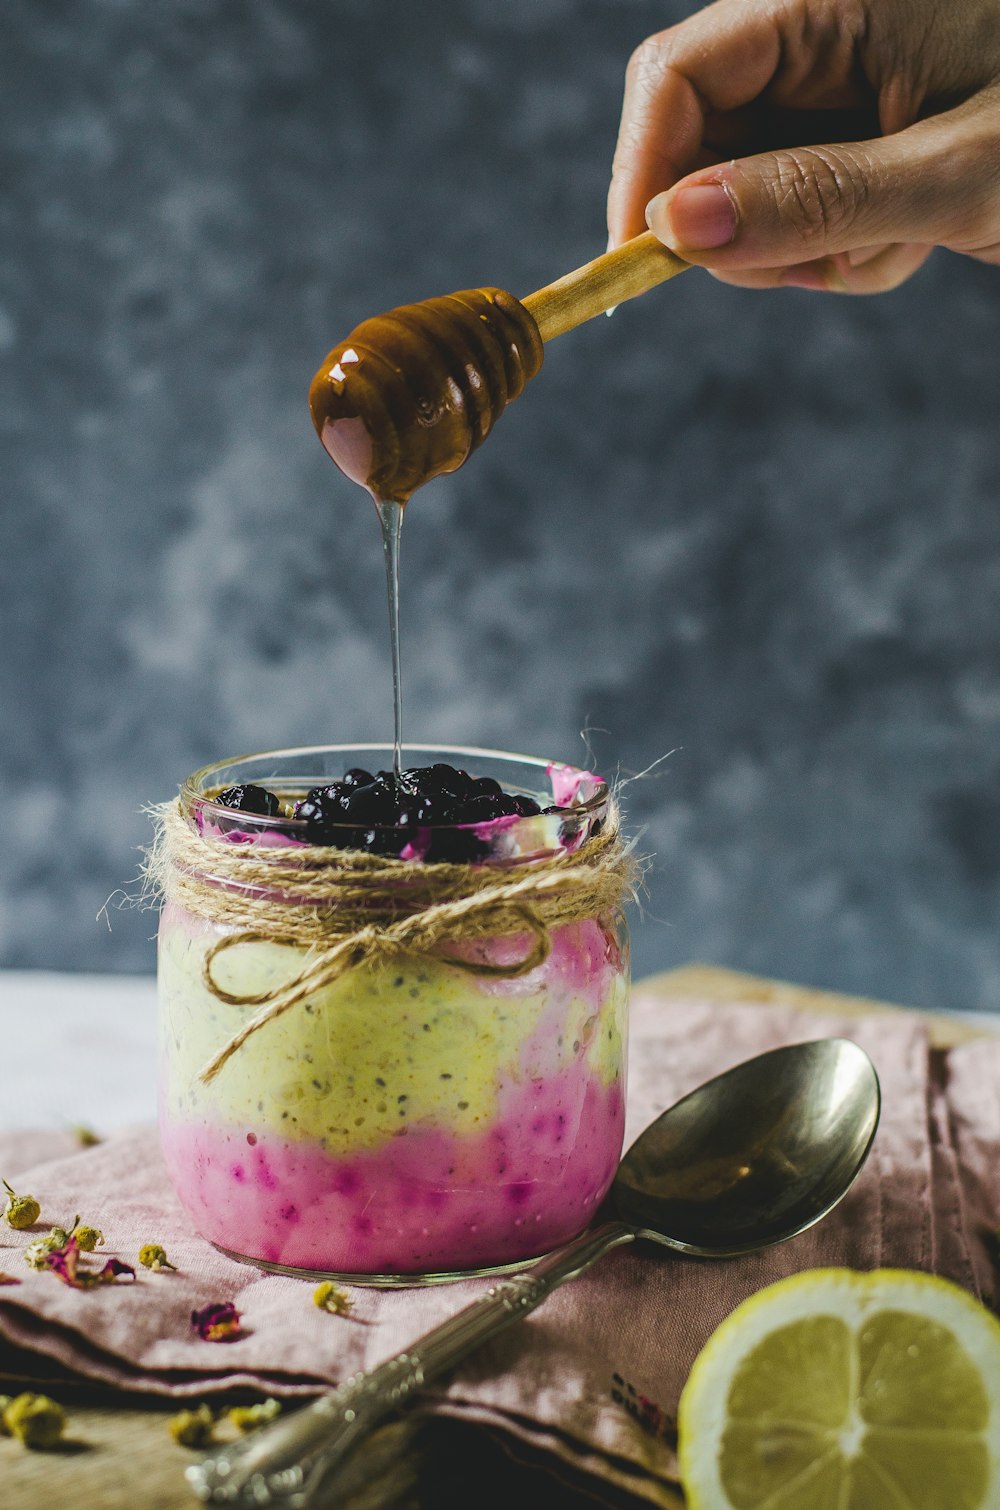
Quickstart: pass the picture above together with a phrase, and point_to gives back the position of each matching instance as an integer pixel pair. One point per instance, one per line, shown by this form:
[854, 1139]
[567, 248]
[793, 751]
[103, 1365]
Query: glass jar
[410, 1120]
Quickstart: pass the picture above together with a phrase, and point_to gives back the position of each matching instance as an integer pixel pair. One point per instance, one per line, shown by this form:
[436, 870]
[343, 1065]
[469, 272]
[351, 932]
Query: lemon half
[835, 1390]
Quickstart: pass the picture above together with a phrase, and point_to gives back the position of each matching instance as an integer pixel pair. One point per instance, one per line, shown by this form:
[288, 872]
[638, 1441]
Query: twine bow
[347, 910]
[367, 946]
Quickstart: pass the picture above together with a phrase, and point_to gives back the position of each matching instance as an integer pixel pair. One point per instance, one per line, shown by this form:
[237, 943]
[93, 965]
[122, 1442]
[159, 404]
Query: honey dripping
[410, 395]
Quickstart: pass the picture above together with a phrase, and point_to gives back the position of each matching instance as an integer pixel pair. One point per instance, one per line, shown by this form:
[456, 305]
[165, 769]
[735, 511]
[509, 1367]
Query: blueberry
[376, 802]
[436, 808]
[314, 812]
[250, 799]
[422, 778]
[332, 796]
[311, 810]
[456, 846]
[439, 780]
[323, 812]
[357, 777]
[381, 841]
[381, 813]
[480, 810]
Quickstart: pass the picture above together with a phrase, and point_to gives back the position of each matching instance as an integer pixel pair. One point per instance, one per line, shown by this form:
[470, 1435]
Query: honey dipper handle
[631, 269]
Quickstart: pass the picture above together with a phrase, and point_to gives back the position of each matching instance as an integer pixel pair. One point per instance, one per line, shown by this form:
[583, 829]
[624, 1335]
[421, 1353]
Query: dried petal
[8, 1279]
[64, 1262]
[113, 1269]
[217, 1322]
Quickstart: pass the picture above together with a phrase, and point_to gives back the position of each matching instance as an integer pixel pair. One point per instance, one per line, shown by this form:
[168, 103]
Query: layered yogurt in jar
[408, 1119]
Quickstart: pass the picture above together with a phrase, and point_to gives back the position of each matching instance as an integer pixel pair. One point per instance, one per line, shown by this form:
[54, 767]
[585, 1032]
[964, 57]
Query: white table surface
[82, 1049]
[77, 1049]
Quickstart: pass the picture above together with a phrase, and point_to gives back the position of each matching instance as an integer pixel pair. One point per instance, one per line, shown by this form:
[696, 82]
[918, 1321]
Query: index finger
[715, 61]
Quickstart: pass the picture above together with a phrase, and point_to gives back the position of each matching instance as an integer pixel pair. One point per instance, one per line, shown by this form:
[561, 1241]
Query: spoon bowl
[756, 1155]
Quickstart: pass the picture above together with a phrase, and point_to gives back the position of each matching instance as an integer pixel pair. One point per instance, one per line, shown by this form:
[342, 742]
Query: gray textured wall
[762, 528]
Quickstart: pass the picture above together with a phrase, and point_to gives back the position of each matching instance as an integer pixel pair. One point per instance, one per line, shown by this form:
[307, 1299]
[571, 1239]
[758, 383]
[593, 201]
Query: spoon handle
[631, 269]
[288, 1462]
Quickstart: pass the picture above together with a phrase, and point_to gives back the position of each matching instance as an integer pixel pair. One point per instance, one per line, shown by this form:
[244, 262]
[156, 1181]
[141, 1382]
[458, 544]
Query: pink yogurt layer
[426, 1201]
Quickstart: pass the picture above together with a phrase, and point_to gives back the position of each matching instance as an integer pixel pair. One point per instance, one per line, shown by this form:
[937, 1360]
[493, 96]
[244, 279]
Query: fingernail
[803, 277]
[699, 218]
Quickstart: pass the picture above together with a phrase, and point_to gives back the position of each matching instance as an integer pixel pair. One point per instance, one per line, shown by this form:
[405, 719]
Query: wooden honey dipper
[411, 393]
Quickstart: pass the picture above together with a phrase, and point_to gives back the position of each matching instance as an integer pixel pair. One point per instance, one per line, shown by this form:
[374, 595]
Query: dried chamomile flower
[57, 1237]
[192, 1428]
[249, 1417]
[35, 1420]
[329, 1297]
[217, 1322]
[5, 1400]
[37, 1252]
[22, 1210]
[87, 1238]
[152, 1256]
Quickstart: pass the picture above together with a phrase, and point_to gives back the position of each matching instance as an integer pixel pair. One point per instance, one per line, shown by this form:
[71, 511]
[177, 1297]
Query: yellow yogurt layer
[383, 1047]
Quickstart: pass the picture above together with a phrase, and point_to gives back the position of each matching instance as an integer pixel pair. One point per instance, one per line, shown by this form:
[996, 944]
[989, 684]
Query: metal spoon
[749, 1159]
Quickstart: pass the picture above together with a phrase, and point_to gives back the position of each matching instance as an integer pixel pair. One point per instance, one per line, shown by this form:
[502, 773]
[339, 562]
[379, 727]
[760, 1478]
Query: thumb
[929, 183]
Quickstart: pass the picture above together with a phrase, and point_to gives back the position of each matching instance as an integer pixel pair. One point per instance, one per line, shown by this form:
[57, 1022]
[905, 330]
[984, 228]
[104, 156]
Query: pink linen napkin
[593, 1377]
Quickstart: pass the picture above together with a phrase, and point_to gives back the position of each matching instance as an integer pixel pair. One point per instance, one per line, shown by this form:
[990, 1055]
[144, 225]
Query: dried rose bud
[35, 1420]
[64, 1263]
[153, 1256]
[22, 1210]
[249, 1417]
[330, 1298]
[192, 1428]
[113, 1269]
[217, 1322]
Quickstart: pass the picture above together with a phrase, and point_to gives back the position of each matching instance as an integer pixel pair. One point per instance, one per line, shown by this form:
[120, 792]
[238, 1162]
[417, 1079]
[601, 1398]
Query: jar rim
[587, 805]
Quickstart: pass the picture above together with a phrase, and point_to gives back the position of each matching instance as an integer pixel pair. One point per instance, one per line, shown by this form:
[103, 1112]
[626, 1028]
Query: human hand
[728, 120]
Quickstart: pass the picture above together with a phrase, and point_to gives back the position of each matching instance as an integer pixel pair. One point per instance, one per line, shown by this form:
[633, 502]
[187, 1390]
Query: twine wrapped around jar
[349, 909]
